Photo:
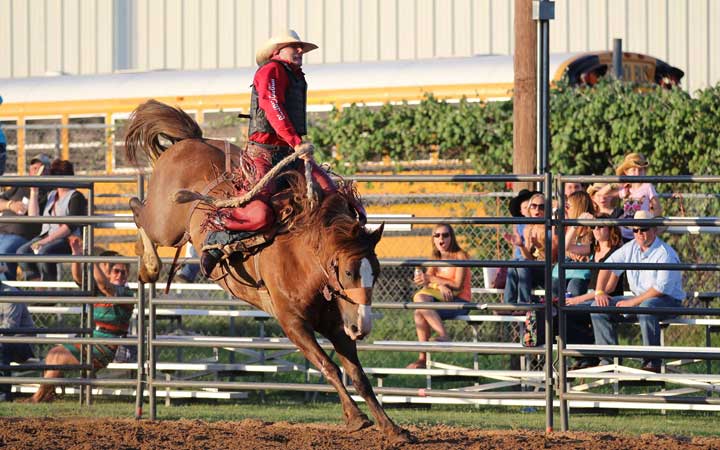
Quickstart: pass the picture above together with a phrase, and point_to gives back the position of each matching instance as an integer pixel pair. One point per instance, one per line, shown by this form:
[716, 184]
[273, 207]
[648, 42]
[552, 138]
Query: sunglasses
[539, 206]
[443, 235]
[119, 272]
[598, 227]
[640, 230]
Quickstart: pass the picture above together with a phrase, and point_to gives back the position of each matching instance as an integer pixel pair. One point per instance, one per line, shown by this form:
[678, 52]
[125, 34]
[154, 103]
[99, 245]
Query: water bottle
[418, 271]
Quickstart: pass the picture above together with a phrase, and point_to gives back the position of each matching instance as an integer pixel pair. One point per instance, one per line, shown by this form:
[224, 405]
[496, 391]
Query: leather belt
[274, 148]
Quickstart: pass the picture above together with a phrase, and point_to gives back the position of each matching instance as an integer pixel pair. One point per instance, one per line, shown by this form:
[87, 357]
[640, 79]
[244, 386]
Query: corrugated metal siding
[74, 36]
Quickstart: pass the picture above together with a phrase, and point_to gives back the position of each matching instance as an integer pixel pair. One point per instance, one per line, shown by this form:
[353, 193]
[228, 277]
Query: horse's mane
[153, 122]
[333, 221]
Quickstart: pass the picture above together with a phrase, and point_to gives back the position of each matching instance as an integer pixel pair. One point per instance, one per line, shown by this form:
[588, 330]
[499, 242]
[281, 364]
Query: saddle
[249, 243]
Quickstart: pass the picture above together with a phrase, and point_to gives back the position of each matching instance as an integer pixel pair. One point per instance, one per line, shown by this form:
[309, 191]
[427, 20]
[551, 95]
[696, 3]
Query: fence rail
[146, 300]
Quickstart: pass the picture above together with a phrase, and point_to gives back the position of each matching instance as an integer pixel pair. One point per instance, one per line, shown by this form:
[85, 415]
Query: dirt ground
[87, 434]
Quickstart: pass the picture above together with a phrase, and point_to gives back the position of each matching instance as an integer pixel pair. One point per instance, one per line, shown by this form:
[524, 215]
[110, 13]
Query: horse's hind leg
[305, 341]
[347, 351]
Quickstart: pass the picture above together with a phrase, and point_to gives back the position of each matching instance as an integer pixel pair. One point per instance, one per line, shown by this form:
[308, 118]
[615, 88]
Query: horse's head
[345, 250]
[352, 273]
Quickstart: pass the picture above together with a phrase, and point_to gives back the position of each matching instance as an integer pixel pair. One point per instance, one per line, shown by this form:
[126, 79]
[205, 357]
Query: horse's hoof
[401, 436]
[144, 276]
[358, 423]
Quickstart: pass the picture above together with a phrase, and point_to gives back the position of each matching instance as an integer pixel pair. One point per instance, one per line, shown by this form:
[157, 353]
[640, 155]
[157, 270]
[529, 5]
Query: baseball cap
[41, 158]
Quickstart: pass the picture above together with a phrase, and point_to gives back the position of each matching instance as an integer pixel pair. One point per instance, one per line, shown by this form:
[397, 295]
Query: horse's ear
[377, 234]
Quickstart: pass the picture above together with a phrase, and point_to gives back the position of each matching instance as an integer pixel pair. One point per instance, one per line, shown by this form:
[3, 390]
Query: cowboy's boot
[215, 247]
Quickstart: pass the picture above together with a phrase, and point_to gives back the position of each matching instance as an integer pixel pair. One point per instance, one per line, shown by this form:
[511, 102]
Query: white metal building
[39, 37]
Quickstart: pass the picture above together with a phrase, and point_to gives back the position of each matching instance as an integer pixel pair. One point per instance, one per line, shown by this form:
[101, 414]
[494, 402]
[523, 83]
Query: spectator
[650, 288]
[3, 147]
[111, 320]
[578, 245]
[442, 284]
[569, 188]
[605, 199]
[521, 281]
[579, 325]
[13, 315]
[52, 239]
[14, 202]
[636, 196]
[519, 208]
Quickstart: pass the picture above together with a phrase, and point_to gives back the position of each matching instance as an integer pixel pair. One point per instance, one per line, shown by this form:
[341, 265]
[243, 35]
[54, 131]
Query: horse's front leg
[149, 270]
[305, 340]
[347, 351]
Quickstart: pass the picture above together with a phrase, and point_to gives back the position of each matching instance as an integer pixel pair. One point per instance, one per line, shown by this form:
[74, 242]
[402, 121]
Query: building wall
[99, 36]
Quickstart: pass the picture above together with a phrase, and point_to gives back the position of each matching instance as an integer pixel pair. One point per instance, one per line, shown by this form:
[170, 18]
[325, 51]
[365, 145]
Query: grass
[329, 411]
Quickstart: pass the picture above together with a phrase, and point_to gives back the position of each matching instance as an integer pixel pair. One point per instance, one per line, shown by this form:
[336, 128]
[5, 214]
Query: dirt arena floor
[90, 434]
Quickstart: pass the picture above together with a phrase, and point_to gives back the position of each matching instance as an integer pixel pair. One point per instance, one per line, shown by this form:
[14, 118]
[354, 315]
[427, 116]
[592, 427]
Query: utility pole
[524, 96]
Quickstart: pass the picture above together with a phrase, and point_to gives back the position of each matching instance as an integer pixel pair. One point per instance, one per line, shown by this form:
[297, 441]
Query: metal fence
[485, 230]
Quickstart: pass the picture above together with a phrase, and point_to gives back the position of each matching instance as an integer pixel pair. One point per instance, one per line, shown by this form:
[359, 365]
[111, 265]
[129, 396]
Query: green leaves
[591, 130]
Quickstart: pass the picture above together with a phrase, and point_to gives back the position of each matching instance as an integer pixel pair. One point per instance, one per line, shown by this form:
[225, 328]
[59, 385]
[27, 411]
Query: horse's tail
[153, 121]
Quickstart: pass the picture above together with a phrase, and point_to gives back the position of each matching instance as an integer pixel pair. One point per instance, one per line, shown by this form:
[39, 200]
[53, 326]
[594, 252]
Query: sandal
[419, 364]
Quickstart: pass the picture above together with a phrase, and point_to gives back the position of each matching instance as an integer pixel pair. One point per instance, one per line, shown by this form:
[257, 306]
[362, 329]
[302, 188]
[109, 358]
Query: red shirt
[271, 82]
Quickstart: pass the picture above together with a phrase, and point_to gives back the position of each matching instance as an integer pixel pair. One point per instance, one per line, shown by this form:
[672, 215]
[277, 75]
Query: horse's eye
[348, 274]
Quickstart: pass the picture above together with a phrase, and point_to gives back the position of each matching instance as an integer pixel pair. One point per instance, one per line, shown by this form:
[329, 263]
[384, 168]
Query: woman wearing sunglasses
[111, 320]
[441, 284]
[521, 280]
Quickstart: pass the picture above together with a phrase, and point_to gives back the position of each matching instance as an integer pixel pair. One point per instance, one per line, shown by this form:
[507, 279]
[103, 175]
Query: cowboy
[277, 126]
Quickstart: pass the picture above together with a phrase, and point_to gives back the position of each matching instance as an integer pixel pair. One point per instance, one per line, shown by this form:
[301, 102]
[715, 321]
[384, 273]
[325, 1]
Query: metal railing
[147, 301]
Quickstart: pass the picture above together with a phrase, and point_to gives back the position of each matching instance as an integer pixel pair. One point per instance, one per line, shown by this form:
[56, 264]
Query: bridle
[334, 287]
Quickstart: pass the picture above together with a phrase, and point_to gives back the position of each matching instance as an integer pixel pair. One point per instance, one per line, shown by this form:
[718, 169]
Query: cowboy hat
[279, 41]
[516, 201]
[631, 160]
[643, 215]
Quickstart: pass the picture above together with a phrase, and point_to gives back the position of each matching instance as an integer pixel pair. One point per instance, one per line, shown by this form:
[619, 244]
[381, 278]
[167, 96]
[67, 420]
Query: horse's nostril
[354, 328]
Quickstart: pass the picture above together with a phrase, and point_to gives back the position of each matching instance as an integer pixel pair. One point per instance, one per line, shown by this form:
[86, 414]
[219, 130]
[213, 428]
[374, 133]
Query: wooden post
[21, 156]
[64, 137]
[109, 144]
[524, 98]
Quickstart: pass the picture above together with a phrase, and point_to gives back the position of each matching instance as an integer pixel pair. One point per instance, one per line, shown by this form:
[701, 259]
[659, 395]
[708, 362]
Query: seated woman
[442, 284]
[52, 239]
[578, 246]
[521, 280]
[579, 326]
[112, 320]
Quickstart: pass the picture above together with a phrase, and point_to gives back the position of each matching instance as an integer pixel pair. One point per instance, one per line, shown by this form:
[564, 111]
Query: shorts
[444, 314]
[102, 354]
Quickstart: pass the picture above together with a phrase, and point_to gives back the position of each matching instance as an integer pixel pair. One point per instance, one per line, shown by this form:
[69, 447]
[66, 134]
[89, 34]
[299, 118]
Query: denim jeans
[574, 286]
[46, 271]
[190, 271]
[579, 326]
[9, 243]
[520, 282]
[605, 329]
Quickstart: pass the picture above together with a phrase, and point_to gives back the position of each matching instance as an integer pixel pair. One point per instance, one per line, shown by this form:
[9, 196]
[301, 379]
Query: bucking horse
[316, 274]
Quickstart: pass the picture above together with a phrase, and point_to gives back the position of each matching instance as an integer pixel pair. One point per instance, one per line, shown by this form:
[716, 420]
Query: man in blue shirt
[650, 288]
